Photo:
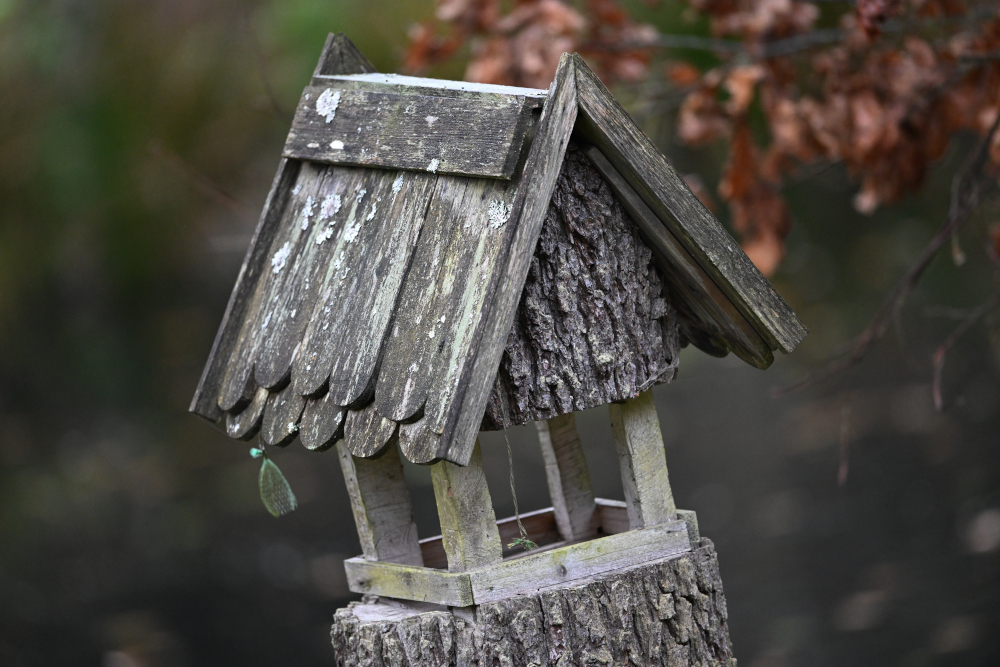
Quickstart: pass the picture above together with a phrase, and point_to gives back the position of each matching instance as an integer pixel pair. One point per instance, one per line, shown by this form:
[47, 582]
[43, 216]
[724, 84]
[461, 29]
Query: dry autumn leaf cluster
[881, 86]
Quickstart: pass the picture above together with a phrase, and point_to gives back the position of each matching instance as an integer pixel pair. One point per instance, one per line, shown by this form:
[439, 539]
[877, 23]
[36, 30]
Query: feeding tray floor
[554, 563]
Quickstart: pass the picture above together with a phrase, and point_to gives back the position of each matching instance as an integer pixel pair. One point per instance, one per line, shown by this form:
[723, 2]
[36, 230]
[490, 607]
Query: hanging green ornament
[275, 492]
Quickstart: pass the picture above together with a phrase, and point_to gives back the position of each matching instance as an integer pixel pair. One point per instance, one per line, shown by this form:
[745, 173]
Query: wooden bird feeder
[437, 258]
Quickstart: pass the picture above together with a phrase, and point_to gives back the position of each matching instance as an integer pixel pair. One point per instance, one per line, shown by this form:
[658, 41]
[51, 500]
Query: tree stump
[670, 612]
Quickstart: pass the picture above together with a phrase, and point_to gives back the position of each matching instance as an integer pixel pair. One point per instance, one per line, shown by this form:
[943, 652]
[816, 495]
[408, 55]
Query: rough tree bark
[670, 613]
[595, 324]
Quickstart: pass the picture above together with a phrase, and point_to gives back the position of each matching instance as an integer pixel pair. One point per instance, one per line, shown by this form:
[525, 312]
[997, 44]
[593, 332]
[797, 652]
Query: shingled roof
[382, 281]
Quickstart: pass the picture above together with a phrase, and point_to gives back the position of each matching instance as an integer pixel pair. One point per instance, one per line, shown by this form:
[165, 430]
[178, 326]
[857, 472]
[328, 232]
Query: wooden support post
[468, 524]
[568, 476]
[380, 500]
[643, 462]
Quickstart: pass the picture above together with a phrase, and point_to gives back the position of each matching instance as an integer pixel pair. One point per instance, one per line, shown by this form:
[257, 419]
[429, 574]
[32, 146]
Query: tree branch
[968, 189]
[939, 354]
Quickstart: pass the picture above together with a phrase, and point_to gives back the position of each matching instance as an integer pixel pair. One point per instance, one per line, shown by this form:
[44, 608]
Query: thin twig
[523, 540]
[939, 354]
[200, 180]
[968, 189]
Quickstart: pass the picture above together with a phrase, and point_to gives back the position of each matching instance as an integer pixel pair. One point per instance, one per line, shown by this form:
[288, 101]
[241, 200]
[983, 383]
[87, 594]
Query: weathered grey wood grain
[540, 526]
[357, 297]
[419, 442]
[366, 432]
[381, 504]
[300, 265]
[287, 242]
[405, 131]
[340, 57]
[604, 123]
[613, 516]
[468, 525]
[670, 613]
[594, 323]
[322, 423]
[442, 303]
[535, 572]
[206, 398]
[245, 424]
[568, 477]
[282, 411]
[524, 575]
[643, 462]
[701, 302]
[544, 161]
[415, 85]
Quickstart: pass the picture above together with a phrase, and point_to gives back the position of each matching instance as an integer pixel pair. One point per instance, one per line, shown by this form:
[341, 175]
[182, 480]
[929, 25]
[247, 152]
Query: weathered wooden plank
[534, 572]
[540, 526]
[568, 477]
[418, 441]
[442, 302]
[245, 424]
[340, 57]
[350, 318]
[406, 131]
[287, 242]
[381, 504]
[604, 123]
[281, 417]
[302, 264]
[322, 423]
[527, 214]
[613, 517]
[416, 85]
[366, 432]
[705, 303]
[468, 525]
[206, 398]
[639, 444]
[407, 582]
[520, 576]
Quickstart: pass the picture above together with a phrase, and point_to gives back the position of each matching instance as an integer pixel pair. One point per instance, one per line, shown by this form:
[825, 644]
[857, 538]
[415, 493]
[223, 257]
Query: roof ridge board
[544, 162]
[608, 126]
[446, 87]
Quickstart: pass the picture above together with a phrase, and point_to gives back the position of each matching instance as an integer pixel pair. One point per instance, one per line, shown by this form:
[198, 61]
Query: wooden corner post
[568, 477]
[469, 530]
[643, 462]
[381, 504]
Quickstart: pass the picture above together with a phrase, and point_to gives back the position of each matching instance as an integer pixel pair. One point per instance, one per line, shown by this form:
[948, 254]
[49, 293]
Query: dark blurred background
[137, 143]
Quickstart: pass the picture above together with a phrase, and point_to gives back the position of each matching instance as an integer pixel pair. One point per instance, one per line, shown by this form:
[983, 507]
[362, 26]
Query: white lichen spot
[431, 120]
[397, 185]
[498, 213]
[308, 96]
[433, 166]
[414, 367]
[361, 194]
[351, 233]
[337, 145]
[307, 212]
[297, 189]
[292, 427]
[279, 259]
[324, 235]
[267, 320]
[430, 334]
[329, 207]
[312, 144]
[327, 103]
[371, 213]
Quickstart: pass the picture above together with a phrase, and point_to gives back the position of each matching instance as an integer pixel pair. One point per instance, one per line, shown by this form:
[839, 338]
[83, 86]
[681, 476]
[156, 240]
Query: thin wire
[522, 541]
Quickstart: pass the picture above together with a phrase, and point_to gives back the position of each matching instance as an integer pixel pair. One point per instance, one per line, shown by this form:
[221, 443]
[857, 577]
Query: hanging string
[523, 540]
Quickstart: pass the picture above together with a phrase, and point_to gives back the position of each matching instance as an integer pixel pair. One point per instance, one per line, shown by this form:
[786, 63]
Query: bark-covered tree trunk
[670, 613]
[594, 324]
